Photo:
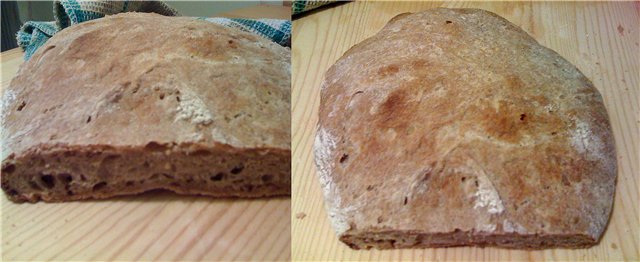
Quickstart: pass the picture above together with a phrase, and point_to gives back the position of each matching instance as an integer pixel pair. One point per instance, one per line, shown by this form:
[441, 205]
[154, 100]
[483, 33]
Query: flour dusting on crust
[487, 196]
[8, 97]
[585, 142]
[191, 108]
[323, 147]
[510, 227]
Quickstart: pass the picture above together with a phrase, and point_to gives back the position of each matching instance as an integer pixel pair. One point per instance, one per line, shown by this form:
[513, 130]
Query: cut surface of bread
[454, 127]
[135, 102]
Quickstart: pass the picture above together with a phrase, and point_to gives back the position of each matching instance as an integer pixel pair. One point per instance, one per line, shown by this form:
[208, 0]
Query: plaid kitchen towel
[301, 6]
[33, 35]
[277, 30]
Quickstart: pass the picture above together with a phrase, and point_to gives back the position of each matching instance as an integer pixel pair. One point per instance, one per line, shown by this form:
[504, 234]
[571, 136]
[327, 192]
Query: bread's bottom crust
[63, 173]
[400, 239]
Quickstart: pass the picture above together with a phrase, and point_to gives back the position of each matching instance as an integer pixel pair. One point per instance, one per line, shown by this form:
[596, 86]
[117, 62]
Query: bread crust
[101, 95]
[455, 127]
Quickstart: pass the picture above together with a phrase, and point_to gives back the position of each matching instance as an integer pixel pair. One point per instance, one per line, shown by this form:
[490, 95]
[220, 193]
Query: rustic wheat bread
[454, 127]
[135, 102]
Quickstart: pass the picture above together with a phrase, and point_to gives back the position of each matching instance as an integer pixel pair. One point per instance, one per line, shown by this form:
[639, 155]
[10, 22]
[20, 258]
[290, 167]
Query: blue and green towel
[301, 6]
[32, 35]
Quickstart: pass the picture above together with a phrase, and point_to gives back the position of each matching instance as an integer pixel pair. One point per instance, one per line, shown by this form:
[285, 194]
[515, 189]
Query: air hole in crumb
[230, 42]
[267, 178]
[83, 178]
[554, 133]
[201, 152]
[248, 188]
[178, 98]
[237, 169]
[145, 164]
[89, 119]
[370, 187]
[219, 176]
[476, 183]
[380, 219]
[406, 200]
[22, 105]
[129, 183]
[9, 168]
[463, 178]
[448, 22]
[523, 116]
[34, 186]
[65, 178]
[344, 158]
[575, 220]
[161, 96]
[69, 193]
[155, 146]
[99, 186]
[48, 181]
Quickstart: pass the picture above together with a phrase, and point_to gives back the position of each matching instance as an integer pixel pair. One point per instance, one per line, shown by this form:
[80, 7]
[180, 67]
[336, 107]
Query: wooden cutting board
[150, 227]
[601, 39]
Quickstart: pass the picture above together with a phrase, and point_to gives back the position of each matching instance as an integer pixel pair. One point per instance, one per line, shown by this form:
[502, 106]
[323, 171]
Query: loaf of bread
[454, 127]
[135, 102]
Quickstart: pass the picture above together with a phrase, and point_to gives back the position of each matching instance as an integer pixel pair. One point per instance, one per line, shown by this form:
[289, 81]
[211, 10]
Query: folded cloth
[277, 30]
[71, 12]
[33, 34]
[301, 6]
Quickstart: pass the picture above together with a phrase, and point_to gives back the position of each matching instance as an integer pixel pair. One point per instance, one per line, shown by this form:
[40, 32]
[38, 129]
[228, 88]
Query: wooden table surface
[601, 39]
[152, 226]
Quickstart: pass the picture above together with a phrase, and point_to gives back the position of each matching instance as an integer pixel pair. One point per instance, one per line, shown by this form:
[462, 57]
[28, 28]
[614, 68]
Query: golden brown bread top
[133, 78]
[456, 119]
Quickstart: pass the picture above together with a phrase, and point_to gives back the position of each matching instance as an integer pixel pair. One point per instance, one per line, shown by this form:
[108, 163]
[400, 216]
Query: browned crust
[456, 120]
[115, 87]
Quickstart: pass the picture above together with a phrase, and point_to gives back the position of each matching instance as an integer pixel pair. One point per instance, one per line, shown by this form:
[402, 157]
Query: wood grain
[152, 226]
[601, 39]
